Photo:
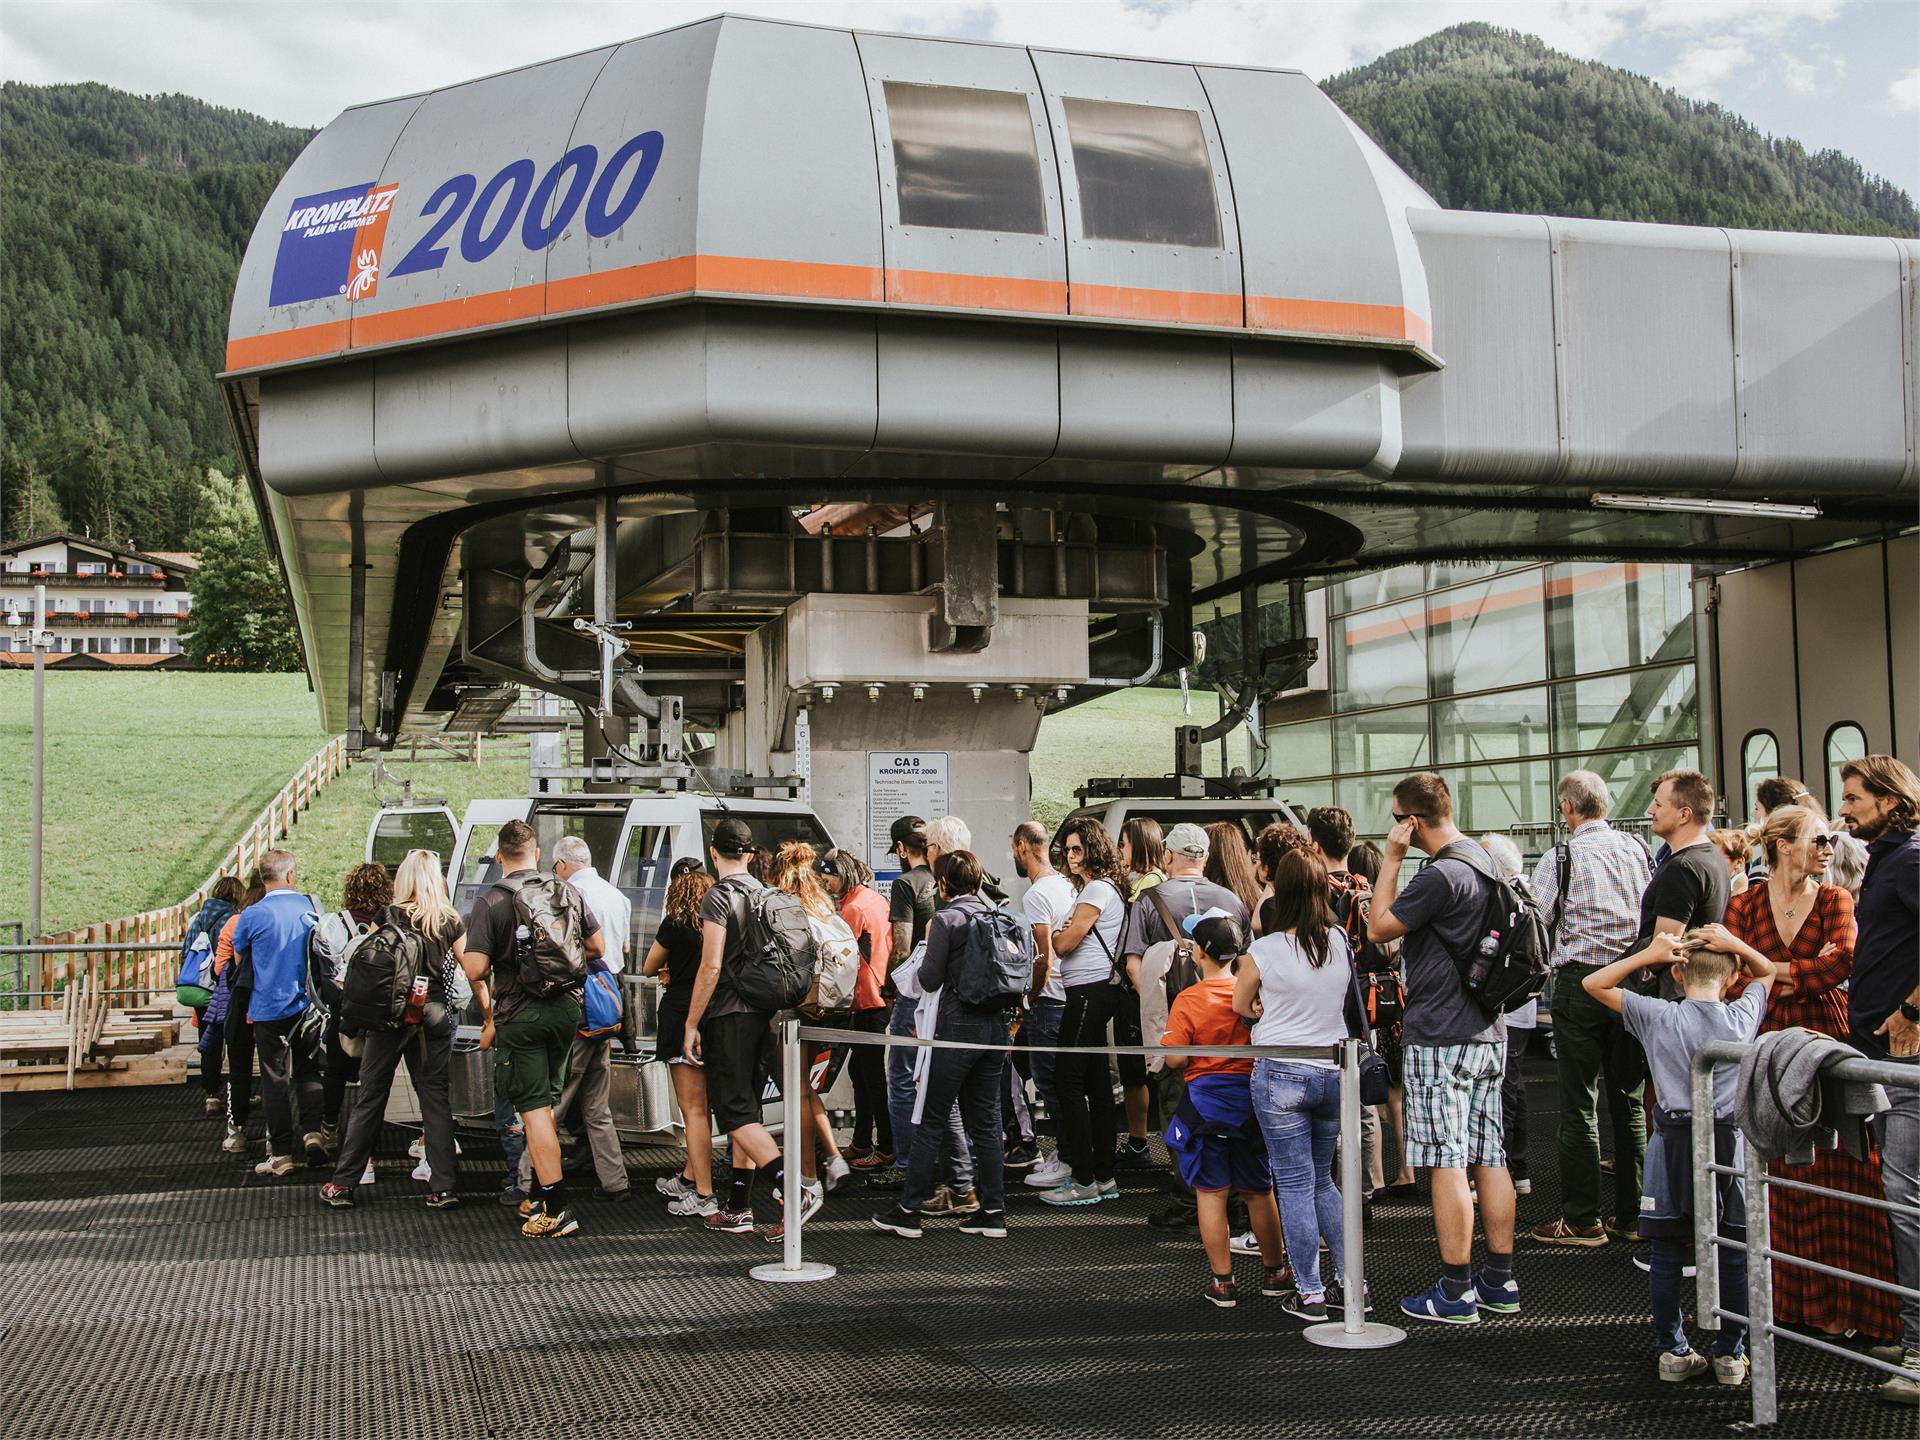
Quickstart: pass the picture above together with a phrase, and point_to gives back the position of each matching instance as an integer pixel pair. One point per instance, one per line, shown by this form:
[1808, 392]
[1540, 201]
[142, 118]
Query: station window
[1144, 174]
[1759, 760]
[965, 159]
[1845, 742]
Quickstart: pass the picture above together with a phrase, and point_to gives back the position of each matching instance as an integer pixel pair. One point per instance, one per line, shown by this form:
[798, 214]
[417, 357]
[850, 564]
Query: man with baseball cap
[1158, 917]
[725, 1035]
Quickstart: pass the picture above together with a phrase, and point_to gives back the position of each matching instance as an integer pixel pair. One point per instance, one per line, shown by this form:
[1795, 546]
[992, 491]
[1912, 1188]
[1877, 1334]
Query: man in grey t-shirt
[1455, 1051]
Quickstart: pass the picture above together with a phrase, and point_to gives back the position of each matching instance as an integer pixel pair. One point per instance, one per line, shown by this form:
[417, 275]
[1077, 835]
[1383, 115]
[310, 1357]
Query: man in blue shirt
[271, 939]
[1880, 804]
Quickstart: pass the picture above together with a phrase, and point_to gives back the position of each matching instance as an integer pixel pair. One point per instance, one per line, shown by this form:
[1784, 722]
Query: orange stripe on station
[627, 283]
[470, 312]
[1126, 302]
[1337, 317]
[285, 345]
[976, 292]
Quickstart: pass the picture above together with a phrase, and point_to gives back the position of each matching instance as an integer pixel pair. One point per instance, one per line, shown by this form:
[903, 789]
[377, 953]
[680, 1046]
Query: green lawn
[150, 777]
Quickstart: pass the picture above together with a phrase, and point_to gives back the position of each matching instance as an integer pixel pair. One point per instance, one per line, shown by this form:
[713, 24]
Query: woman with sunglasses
[420, 904]
[1804, 925]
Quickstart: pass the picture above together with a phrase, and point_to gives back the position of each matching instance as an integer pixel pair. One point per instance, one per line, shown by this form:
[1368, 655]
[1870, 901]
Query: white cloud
[1904, 93]
[1702, 68]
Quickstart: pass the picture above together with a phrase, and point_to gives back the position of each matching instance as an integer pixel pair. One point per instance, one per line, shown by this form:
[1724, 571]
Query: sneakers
[1223, 1293]
[526, 1209]
[1628, 1230]
[1277, 1282]
[340, 1197]
[1050, 1174]
[542, 1225]
[1018, 1157]
[1072, 1193]
[896, 1221]
[1902, 1389]
[1522, 1185]
[1729, 1369]
[990, 1223]
[1559, 1232]
[424, 1170]
[1645, 1262]
[235, 1142]
[967, 1204]
[1245, 1243]
[513, 1195]
[874, 1160]
[212, 1105]
[1131, 1154]
[890, 1177]
[1683, 1366]
[1181, 1215]
[1109, 1189]
[613, 1197]
[837, 1172]
[674, 1186]
[442, 1200]
[1434, 1305]
[1501, 1299]
[1337, 1299]
[813, 1198]
[730, 1222]
[694, 1206]
[315, 1144]
[275, 1166]
[1308, 1312]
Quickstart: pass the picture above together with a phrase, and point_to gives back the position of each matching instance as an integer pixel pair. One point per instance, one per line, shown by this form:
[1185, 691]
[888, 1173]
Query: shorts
[531, 1049]
[736, 1049]
[670, 1041]
[1210, 1162]
[1453, 1111]
[824, 1064]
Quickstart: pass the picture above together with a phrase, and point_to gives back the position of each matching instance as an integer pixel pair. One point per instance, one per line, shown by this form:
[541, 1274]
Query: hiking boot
[1559, 1232]
[990, 1223]
[1072, 1193]
[837, 1172]
[1308, 1312]
[1181, 1215]
[1628, 1230]
[730, 1222]
[1131, 1154]
[340, 1197]
[941, 1204]
[212, 1105]
[1683, 1366]
[275, 1166]
[543, 1225]
[1223, 1293]
[674, 1186]
[1050, 1174]
[896, 1221]
[693, 1205]
[1434, 1305]
[1729, 1369]
[1902, 1389]
[442, 1200]
[967, 1204]
[874, 1160]
[315, 1144]
[235, 1142]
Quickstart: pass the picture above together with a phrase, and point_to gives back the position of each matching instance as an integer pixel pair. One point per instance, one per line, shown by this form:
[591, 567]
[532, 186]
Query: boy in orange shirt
[1214, 1137]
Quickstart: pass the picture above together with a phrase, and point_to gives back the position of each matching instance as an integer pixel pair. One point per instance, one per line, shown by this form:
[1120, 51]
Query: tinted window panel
[965, 159]
[1144, 174]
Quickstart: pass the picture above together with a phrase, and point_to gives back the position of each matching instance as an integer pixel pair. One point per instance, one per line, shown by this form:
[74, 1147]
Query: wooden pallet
[85, 1036]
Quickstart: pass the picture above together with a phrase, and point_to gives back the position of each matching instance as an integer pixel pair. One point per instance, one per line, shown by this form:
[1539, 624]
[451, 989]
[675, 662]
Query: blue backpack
[996, 961]
[602, 1003]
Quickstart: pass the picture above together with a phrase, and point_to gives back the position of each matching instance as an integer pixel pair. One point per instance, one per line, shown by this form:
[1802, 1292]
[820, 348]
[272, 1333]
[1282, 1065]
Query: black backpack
[549, 933]
[1517, 970]
[381, 969]
[775, 968]
[1351, 901]
[996, 961]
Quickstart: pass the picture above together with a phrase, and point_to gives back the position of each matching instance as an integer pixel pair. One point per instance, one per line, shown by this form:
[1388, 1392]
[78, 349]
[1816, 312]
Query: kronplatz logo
[331, 243]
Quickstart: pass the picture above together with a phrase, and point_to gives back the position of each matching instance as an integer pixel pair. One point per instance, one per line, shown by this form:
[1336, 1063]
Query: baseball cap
[685, 865]
[827, 864]
[1221, 936]
[1213, 913]
[907, 827]
[733, 839]
[1189, 840]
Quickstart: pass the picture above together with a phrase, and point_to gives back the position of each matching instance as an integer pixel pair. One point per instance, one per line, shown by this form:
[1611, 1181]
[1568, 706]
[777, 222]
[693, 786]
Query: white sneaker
[1523, 1186]
[1902, 1389]
[837, 1172]
[1730, 1369]
[1247, 1244]
[424, 1170]
[366, 1175]
[1109, 1189]
[418, 1148]
[692, 1204]
[1072, 1194]
[813, 1198]
[1049, 1174]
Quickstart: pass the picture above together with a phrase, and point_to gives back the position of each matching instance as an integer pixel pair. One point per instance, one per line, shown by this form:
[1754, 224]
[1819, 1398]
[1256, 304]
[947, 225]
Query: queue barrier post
[1353, 1331]
[792, 1268]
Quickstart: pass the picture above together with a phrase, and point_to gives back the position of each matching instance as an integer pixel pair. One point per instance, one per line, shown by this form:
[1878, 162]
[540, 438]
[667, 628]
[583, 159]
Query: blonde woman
[421, 905]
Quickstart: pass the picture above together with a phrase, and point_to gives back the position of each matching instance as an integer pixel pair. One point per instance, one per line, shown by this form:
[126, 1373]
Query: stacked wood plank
[85, 1043]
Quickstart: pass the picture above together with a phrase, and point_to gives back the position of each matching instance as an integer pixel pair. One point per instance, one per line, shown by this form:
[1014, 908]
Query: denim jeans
[1041, 1033]
[1299, 1110]
[901, 1094]
[1900, 1174]
[1665, 1288]
[971, 1081]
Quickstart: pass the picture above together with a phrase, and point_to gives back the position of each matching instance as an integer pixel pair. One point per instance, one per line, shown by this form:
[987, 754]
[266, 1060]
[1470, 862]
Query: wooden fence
[155, 970]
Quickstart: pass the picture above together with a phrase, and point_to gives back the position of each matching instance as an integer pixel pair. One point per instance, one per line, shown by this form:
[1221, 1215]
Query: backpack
[549, 945]
[1517, 969]
[1182, 968]
[381, 965]
[193, 986]
[836, 967]
[601, 1003]
[996, 961]
[1352, 903]
[775, 967]
[328, 943]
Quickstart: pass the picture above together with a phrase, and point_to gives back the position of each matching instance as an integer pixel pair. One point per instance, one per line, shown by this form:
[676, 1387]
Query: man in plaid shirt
[1595, 910]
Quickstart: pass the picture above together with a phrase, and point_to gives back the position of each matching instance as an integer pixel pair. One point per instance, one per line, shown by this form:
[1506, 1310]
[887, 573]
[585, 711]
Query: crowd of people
[1195, 938]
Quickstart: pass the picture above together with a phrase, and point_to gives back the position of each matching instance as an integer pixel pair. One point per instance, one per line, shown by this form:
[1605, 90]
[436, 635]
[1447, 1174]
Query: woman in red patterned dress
[1805, 927]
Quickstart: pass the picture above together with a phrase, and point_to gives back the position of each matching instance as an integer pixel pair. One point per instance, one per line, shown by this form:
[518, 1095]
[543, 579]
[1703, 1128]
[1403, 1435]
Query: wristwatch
[1913, 1015]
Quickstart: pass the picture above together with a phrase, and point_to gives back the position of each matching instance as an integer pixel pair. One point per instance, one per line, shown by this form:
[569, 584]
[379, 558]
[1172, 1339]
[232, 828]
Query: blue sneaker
[1434, 1305]
[1501, 1299]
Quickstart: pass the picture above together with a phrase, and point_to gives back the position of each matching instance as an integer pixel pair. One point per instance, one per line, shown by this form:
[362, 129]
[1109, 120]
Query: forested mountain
[1490, 119]
[122, 223]
[123, 218]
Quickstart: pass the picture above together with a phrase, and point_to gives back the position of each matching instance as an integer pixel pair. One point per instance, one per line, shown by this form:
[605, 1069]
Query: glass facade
[1502, 677]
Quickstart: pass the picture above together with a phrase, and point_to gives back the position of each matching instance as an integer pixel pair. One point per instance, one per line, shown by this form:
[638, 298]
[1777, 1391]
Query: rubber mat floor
[152, 1286]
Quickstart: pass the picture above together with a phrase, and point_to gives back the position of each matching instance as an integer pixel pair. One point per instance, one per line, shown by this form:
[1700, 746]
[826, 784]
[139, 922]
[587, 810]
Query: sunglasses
[1822, 842]
[1400, 819]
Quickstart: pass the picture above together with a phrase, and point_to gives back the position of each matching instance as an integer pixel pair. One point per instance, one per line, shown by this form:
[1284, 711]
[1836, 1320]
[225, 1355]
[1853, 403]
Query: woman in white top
[1084, 949]
[1296, 992]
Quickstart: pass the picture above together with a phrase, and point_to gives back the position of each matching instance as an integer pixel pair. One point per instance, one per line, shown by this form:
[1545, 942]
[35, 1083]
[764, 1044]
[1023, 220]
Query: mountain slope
[1490, 119]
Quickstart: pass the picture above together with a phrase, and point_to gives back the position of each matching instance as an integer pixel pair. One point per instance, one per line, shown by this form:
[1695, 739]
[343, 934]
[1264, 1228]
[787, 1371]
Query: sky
[1834, 74]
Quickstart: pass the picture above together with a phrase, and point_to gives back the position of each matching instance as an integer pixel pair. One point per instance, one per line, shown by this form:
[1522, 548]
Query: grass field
[150, 777]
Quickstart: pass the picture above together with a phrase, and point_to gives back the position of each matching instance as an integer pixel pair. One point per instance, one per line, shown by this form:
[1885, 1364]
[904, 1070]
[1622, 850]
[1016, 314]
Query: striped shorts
[1453, 1105]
